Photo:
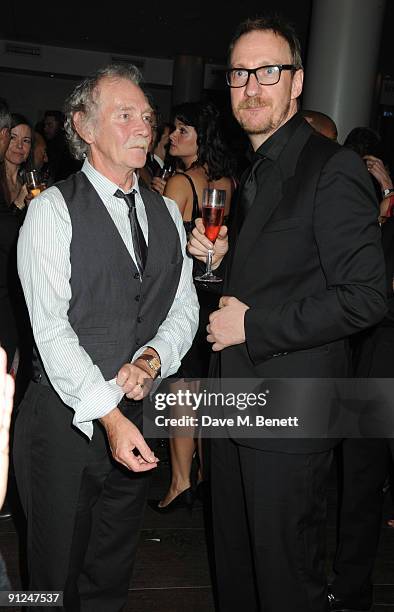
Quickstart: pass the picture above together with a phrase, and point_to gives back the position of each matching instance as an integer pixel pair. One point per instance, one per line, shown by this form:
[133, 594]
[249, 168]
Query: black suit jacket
[308, 262]
[373, 349]
[388, 251]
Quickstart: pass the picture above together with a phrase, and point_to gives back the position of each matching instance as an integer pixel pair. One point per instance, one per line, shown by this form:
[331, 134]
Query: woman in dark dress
[10, 223]
[203, 161]
[14, 326]
[5, 123]
[15, 330]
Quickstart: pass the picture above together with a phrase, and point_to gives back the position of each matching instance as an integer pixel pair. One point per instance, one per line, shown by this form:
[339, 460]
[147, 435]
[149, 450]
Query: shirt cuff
[102, 399]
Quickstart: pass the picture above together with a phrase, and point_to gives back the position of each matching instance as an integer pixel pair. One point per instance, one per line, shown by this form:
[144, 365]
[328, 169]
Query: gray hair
[5, 115]
[84, 99]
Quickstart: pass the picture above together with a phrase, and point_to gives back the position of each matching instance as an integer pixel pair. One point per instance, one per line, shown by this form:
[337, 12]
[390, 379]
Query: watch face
[154, 363]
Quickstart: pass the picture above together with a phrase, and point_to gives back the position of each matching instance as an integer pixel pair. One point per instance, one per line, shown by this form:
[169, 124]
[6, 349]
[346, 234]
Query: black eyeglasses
[265, 75]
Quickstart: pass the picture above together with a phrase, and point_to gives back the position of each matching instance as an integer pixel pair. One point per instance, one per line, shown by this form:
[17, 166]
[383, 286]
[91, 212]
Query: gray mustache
[137, 142]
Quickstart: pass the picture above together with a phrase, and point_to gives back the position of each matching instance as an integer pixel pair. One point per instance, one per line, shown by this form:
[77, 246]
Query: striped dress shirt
[45, 270]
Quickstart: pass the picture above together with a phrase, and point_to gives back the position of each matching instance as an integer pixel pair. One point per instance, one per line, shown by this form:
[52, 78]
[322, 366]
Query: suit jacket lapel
[233, 225]
[267, 200]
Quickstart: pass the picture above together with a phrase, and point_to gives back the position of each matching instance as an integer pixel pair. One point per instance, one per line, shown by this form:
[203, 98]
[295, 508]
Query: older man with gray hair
[112, 303]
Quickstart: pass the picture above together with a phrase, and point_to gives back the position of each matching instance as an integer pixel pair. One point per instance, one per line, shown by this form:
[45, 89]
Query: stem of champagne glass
[209, 262]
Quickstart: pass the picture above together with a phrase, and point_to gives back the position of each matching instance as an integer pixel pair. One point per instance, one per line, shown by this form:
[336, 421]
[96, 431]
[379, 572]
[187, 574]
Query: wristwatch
[386, 192]
[153, 363]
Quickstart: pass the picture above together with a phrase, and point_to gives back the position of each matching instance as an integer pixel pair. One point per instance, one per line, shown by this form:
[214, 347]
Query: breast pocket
[284, 225]
[92, 331]
[98, 349]
[96, 343]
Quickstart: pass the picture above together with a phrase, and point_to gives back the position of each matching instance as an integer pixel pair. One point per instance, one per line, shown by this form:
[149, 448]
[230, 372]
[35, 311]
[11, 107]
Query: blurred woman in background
[16, 158]
[203, 161]
[15, 330]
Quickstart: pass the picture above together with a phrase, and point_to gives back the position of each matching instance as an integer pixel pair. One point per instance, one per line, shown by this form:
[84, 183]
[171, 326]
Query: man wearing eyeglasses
[304, 271]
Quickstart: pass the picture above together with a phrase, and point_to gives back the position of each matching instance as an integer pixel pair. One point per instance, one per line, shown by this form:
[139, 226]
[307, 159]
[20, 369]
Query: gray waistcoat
[112, 312]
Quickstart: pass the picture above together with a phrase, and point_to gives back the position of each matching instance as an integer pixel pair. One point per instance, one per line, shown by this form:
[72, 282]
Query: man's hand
[135, 380]
[227, 325]
[199, 245]
[158, 184]
[124, 437]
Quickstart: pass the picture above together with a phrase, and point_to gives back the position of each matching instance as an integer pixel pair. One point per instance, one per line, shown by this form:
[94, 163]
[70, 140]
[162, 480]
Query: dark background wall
[160, 30]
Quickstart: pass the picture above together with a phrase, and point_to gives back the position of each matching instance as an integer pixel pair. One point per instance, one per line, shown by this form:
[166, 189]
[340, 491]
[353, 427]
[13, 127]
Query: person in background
[322, 123]
[15, 331]
[305, 242]
[364, 140]
[197, 145]
[16, 159]
[53, 124]
[152, 167]
[8, 231]
[60, 161]
[9, 227]
[365, 462]
[5, 128]
[367, 143]
[14, 196]
[109, 290]
[7, 388]
[40, 157]
[161, 148]
[6, 405]
[157, 155]
[10, 221]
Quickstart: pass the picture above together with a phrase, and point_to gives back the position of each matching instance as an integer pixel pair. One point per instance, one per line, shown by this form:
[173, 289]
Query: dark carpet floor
[172, 574]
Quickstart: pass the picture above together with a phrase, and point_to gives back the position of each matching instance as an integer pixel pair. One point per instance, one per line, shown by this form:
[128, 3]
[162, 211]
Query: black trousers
[363, 467]
[84, 511]
[269, 529]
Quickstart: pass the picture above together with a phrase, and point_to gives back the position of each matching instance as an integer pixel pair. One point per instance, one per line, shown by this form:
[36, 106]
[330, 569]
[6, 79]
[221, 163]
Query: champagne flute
[212, 216]
[166, 172]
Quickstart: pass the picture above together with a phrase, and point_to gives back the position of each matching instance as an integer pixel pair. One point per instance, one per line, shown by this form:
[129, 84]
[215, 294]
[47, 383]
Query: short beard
[266, 128]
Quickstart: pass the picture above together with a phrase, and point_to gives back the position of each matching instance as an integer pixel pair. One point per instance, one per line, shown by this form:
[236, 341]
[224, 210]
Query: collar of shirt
[159, 160]
[102, 184]
[274, 145]
[106, 189]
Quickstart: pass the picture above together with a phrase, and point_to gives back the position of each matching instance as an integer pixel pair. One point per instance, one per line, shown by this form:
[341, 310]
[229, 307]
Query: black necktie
[139, 244]
[249, 190]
